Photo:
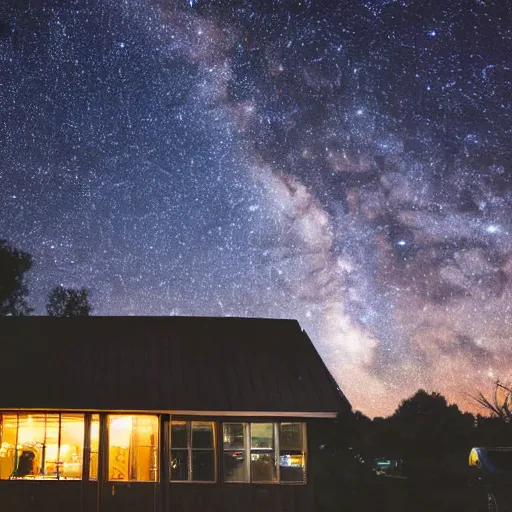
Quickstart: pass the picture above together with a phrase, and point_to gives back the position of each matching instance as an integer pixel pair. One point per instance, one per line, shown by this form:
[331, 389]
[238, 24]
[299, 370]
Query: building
[104, 414]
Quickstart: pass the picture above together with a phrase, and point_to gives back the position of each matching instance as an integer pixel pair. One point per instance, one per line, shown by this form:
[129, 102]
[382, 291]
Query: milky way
[346, 166]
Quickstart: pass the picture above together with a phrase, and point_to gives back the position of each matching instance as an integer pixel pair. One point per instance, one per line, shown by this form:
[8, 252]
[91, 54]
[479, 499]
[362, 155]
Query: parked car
[491, 478]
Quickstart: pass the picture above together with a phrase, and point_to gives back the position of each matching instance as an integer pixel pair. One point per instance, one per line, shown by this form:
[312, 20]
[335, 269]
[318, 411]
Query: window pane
[290, 436]
[263, 467]
[203, 465]
[37, 446]
[133, 448]
[292, 467]
[71, 446]
[235, 467]
[95, 441]
[50, 463]
[234, 435]
[179, 465]
[179, 434]
[8, 445]
[38, 454]
[146, 436]
[202, 434]
[262, 435]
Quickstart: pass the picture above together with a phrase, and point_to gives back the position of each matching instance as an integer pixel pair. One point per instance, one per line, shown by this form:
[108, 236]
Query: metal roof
[163, 364]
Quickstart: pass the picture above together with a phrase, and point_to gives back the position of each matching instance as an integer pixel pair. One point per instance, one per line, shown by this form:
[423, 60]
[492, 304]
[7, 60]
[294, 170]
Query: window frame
[190, 450]
[163, 447]
[248, 450]
[59, 477]
[106, 450]
[304, 451]
[91, 421]
[274, 451]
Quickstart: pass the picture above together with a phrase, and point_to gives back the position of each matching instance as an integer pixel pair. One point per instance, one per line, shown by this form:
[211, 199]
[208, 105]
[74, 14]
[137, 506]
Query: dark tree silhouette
[13, 266]
[66, 302]
[500, 405]
[432, 433]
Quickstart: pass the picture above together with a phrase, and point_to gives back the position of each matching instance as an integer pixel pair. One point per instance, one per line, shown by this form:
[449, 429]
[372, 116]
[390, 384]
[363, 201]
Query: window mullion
[305, 452]
[59, 438]
[277, 454]
[86, 452]
[189, 443]
[16, 457]
[215, 460]
[248, 452]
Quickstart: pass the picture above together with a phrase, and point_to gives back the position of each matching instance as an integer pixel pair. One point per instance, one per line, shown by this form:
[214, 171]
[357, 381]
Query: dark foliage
[432, 434]
[13, 266]
[500, 405]
[432, 438]
[67, 302]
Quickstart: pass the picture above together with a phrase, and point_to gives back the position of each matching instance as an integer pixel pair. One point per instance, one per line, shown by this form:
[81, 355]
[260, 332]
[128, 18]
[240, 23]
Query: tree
[13, 266]
[431, 432]
[66, 302]
[500, 405]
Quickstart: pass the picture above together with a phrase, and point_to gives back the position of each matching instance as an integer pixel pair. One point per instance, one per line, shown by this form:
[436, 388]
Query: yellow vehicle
[491, 477]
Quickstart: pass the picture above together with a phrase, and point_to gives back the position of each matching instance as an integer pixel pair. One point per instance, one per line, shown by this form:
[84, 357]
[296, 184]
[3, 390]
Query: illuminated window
[41, 446]
[133, 448]
[95, 442]
[264, 452]
[263, 455]
[192, 451]
[292, 453]
[8, 434]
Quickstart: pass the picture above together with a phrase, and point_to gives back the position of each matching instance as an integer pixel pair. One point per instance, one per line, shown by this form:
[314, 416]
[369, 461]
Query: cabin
[158, 414]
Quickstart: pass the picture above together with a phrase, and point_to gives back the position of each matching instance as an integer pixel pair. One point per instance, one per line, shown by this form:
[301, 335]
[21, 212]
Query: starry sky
[345, 164]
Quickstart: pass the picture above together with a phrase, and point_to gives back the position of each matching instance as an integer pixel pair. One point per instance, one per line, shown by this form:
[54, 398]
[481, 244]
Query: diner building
[157, 414]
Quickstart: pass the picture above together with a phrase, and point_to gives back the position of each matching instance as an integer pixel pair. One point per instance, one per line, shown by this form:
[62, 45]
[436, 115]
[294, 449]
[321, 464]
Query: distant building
[145, 414]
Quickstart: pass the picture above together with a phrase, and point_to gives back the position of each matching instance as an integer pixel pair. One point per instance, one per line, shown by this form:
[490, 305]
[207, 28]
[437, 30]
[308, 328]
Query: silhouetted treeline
[430, 436]
[14, 265]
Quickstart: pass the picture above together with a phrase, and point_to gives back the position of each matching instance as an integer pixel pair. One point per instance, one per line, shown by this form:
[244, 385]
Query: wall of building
[106, 487]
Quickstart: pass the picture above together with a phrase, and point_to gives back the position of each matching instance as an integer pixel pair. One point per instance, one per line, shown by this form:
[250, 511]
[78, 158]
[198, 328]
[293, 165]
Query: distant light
[402, 243]
[492, 229]
[359, 112]
[432, 33]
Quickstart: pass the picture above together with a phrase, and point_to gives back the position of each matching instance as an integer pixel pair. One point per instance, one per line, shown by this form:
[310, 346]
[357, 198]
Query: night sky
[349, 167]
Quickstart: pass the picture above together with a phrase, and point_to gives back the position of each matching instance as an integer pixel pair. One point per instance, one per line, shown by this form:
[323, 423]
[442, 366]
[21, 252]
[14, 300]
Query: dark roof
[163, 363]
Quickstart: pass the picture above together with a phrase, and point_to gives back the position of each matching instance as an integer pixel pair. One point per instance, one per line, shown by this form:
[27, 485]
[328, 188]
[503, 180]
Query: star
[345, 165]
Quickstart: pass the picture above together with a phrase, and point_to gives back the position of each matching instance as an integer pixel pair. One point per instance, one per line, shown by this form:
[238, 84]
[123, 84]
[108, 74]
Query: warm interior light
[133, 448]
[120, 431]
